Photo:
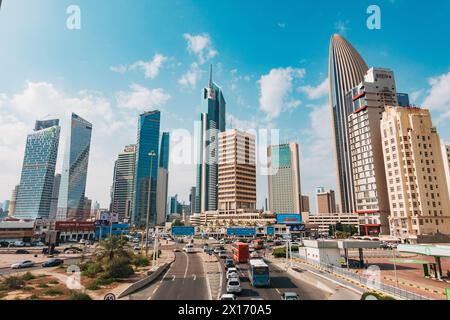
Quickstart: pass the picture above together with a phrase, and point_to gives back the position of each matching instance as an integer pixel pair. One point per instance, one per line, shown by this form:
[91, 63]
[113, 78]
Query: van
[189, 248]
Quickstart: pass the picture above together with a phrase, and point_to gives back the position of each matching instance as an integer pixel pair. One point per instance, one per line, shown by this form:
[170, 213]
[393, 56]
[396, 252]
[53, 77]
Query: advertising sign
[289, 219]
[241, 232]
[183, 231]
[270, 231]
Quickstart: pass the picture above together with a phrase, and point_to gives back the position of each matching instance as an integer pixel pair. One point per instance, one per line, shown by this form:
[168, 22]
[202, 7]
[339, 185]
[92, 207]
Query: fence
[365, 280]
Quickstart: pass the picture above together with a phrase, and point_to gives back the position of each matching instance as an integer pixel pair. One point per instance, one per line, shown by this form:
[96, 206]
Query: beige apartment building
[326, 201]
[418, 193]
[446, 159]
[237, 172]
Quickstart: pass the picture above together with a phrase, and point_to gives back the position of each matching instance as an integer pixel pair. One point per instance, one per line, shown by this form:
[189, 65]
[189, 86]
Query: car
[230, 271]
[22, 251]
[289, 296]
[205, 248]
[37, 244]
[137, 247]
[189, 248]
[19, 244]
[176, 250]
[4, 244]
[229, 263]
[223, 254]
[254, 255]
[257, 298]
[53, 251]
[218, 249]
[234, 286]
[53, 263]
[23, 264]
[228, 296]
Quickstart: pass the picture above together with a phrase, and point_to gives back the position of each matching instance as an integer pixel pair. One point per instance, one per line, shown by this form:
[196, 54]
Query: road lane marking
[194, 277]
[174, 277]
[276, 289]
[161, 281]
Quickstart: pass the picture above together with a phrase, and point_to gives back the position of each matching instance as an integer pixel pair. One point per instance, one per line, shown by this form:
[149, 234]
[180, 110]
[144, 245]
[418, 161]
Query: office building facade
[325, 200]
[346, 70]
[12, 202]
[445, 150]
[305, 204]
[163, 179]
[74, 173]
[38, 172]
[237, 172]
[55, 195]
[284, 178]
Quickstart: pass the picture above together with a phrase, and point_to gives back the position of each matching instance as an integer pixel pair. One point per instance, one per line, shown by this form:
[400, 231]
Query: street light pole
[151, 154]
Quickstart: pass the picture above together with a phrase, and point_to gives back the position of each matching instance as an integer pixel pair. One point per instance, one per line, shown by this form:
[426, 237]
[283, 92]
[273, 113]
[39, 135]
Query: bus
[241, 252]
[259, 274]
[258, 244]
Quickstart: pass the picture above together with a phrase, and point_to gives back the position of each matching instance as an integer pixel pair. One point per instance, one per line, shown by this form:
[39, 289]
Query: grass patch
[79, 296]
[42, 285]
[33, 297]
[27, 288]
[28, 276]
[93, 286]
[53, 292]
[13, 283]
[140, 261]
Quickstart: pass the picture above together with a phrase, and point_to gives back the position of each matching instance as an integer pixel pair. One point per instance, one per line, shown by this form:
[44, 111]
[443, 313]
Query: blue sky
[270, 57]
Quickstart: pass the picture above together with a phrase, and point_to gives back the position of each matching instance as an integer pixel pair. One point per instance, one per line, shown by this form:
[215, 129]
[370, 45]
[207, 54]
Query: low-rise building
[324, 221]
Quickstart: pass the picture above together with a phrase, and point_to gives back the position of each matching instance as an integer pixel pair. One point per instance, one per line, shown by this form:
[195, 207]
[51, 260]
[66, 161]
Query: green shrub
[13, 283]
[92, 269]
[118, 268]
[28, 276]
[33, 297]
[93, 286]
[27, 288]
[53, 292]
[140, 261]
[54, 281]
[42, 285]
[79, 296]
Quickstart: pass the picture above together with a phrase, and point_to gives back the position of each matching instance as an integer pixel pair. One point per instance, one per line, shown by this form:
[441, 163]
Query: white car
[234, 286]
[189, 248]
[19, 244]
[231, 271]
[137, 247]
[23, 264]
[228, 297]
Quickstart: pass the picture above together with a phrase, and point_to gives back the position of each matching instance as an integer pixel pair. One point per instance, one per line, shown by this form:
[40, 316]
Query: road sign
[183, 231]
[110, 296]
[270, 231]
[289, 219]
[297, 227]
[241, 232]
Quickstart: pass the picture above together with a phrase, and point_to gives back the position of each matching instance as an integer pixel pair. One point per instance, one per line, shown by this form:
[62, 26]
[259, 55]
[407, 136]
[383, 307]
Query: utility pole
[151, 154]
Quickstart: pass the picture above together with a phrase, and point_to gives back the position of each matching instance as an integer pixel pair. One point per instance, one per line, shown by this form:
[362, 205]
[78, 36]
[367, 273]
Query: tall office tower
[123, 183]
[163, 179]
[74, 173]
[305, 204]
[55, 195]
[212, 123]
[418, 194]
[366, 104]
[12, 203]
[326, 201]
[445, 150]
[87, 205]
[284, 178]
[192, 200]
[403, 99]
[346, 70]
[174, 204]
[147, 142]
[38, 171]
[237, 172]
[6, 206]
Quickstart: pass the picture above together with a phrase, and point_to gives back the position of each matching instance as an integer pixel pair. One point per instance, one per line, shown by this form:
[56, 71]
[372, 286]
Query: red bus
[241, 252]
[258, 244]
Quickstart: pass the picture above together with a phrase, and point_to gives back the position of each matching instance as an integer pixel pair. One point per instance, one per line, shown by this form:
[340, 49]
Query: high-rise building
[284, 178]
[305, 204]
[326, 201]
[87, 205]
[418, 194]
[123, 183]
[38, 171]
[445, 150]
[366, 104]
[74, 172]
[163, 179]
[12, 203]
[192, 200]
[55, 195]
[237, 172]
[6, 206]
[147, 143]
[212, 123]
[346, 70]
[403, 100]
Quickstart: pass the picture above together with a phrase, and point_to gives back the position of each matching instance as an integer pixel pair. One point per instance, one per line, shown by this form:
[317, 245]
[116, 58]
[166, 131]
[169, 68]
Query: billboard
[270, 231]
[241, 232]
[183, 231]
[289, 219]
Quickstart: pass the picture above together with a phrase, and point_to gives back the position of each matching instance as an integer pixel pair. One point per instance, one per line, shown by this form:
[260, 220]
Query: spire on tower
[210, 75]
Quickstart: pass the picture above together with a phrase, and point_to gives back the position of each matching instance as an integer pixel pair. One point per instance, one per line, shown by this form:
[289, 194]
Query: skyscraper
[55, 196]
[192, 200]
[163, 178]
[6, 206]
[366, 104]
[38, 171]
[346, 70]
[147, 142]
[418, 194]
[284, 178]
[212, 123]
[326, 201]
[12, 203]
[73, 177]
[123, 183]
[237, 172]
[305, 204]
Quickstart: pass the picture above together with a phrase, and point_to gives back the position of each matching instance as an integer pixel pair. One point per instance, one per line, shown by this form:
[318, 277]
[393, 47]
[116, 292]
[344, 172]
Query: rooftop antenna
[210, 75]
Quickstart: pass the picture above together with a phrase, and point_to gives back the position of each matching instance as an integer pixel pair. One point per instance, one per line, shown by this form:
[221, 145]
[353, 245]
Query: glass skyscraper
[212, 123]
[36, 183]
[147, 140]
[163, 179]
[74, 173]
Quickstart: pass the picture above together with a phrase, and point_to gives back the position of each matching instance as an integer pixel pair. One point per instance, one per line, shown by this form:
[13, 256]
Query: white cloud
[315, 93]
[201, 46]
[275, 88]
[191, 77]
[438, 97]
[142, 98]
[151, 68]
[341, 27]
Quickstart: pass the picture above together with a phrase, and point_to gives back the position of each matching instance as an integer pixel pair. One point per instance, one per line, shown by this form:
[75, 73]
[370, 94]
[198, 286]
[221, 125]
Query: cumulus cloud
[191, 77]
[142, 98]
[438, 97]
[275, 88]
[201, 46]
[151, 68]
[314, 93]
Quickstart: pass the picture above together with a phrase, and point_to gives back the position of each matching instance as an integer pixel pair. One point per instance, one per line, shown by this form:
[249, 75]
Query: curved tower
[346, 70]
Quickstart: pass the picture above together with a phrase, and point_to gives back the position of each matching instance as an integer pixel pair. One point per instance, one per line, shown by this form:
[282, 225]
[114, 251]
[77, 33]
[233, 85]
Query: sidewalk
[213, 272]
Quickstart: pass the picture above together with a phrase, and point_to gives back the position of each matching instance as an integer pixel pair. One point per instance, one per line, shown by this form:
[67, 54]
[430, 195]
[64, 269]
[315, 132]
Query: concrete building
[346, 70]
[325, 200]
[123, 183]
[284, 178]
[12, 202]
[445, 149]
[237, 172]
[305, 204]
[323, 222]
[55, 196]
[366, 103]
[418, 193]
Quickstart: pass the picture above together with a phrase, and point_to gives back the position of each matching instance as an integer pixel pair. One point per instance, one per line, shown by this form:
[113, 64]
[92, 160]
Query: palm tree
[112, 248]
